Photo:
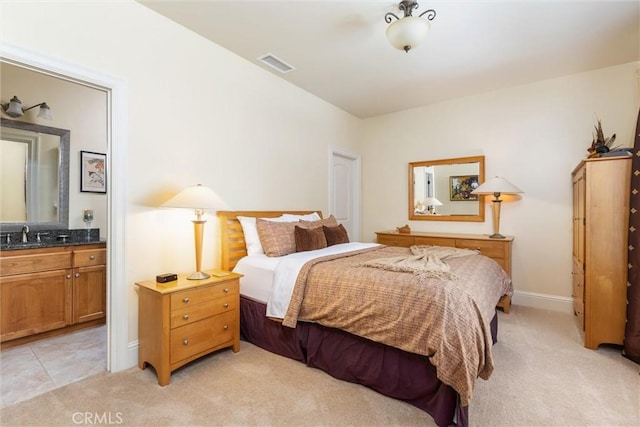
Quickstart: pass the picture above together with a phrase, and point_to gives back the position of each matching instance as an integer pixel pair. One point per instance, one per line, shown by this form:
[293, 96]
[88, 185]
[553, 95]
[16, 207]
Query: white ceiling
[341, 54]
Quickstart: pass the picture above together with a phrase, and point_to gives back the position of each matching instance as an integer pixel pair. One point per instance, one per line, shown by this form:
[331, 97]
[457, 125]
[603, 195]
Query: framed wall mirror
[34, 176]
[440, 190]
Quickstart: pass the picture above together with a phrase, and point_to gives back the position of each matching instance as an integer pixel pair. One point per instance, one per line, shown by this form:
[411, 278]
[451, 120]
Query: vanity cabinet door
[34, 303]
[89, 293]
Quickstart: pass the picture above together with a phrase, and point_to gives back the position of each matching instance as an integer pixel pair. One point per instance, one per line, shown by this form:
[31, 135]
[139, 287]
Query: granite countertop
[51, 238]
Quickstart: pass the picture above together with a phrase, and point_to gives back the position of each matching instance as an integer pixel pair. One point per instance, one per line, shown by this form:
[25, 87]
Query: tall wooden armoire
[600, 229]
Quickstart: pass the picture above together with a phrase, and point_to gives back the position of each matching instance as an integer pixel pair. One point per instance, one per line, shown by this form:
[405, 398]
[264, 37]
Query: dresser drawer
[390, 240]
[34, 263]
[201, 336]
[435, 241]
[89, 257]
[195, 296]
[194, 313]
[486, 248]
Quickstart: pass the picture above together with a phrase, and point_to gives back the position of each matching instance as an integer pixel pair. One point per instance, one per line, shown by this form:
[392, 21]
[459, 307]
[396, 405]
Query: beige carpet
[543, 377]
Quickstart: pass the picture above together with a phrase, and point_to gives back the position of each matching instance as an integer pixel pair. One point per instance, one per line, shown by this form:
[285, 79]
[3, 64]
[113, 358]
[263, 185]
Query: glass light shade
[45, 112]
[432, 201]
[196, 197]
[15, 107]
[407, 33]
[497, 185]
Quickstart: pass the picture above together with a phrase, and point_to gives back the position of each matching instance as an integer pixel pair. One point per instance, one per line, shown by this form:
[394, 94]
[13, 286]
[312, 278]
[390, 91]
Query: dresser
[497, 249]
[183, 320]
[600, 227]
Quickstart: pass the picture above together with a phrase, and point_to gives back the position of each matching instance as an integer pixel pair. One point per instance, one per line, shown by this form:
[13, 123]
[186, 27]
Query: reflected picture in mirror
[440, 190]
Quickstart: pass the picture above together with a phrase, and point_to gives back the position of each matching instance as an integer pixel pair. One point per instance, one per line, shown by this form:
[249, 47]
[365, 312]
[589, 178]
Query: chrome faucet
[25, 230]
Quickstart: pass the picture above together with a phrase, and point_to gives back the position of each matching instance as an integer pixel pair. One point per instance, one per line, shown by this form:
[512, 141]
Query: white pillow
[251, 238]
[309, 217]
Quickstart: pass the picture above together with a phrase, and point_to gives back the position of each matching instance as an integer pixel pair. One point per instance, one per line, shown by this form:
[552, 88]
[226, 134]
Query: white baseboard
[543, 301]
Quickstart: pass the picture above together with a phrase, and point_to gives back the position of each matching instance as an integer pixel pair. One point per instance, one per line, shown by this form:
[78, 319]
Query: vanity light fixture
[496, 186]
[14, 109]
[407, 32]
[200, 198]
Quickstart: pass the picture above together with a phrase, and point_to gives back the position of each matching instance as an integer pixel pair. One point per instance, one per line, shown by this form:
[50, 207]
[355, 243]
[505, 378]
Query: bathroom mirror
[440, 190]
[34, 176]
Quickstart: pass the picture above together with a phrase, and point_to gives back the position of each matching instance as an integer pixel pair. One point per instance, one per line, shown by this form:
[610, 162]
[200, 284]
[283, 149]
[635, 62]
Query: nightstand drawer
[435, 241]
[193, 313]
[404, 241]
[486, 248]
[195, 296]
[201, 336]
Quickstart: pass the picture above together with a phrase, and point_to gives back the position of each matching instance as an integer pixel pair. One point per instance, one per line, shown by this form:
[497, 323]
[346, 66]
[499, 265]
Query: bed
[401, 368]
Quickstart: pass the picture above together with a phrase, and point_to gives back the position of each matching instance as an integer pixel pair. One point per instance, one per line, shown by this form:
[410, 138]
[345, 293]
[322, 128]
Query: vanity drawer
[396, 240]
[89, 257]
[32, 263]
[190, 297]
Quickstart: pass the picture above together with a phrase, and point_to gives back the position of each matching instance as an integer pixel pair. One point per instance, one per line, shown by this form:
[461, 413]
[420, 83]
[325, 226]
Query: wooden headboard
[232, 237]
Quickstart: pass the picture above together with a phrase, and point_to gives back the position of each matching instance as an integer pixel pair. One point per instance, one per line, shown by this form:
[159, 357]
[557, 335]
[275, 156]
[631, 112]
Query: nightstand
[183, 320]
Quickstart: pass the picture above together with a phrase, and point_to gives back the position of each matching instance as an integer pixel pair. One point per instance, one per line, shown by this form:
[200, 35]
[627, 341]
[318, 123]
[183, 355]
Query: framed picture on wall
[93, 175]
[460, 188]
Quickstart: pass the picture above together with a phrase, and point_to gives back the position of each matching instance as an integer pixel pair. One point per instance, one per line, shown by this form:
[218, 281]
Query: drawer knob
[185, 317]
[68, 276]
[225, 305]
[77, 275]
[186, 300]
[225, 327]
[92, 257]
[226, 290]
[185, 342]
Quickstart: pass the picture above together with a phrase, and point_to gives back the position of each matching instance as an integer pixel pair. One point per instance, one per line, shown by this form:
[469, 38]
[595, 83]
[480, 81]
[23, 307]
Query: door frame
[117, 116]
[356, 200]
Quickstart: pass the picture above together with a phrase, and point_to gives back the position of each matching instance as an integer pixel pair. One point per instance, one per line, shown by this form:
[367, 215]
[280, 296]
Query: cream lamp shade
[199, 198]
[496, 186]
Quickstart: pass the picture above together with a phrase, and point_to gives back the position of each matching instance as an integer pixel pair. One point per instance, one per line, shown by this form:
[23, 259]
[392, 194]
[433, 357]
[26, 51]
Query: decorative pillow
[309, 239]
[251, 238]
[335, 235]
[277, 238]
[309, 217]
[329, 222]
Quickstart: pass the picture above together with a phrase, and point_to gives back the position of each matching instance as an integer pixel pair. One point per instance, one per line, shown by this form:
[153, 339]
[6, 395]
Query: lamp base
[198, 275]
[497, 236]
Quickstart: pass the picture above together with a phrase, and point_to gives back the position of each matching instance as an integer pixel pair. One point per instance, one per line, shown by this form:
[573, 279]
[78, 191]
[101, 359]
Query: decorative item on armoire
[631, 345]
[600, 144]
[405, 229]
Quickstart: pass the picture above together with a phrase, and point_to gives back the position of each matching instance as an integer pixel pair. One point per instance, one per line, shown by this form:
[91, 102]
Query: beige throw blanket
[425, 261]
[446, 320]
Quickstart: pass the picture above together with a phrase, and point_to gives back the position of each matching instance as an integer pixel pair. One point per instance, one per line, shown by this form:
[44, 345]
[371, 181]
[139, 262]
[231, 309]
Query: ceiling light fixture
[407, 32]
[14, 109]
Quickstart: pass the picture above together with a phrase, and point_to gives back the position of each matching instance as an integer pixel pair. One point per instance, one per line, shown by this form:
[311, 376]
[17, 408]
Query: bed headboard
[232, 237]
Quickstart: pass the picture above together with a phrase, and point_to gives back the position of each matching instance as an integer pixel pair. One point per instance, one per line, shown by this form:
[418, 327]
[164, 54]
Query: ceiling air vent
[276, 63]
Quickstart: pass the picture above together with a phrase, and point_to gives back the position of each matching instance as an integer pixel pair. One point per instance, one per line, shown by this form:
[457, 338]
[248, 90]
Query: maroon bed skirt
[387, 370]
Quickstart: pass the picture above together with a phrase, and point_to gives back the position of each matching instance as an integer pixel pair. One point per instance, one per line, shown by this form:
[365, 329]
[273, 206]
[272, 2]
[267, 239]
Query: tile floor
[35, 368]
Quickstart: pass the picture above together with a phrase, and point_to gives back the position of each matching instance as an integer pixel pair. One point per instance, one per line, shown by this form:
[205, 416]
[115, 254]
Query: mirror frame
[63, 177]
[460, 160]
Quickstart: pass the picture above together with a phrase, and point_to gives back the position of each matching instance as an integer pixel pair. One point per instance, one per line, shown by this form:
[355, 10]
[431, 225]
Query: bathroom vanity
[51, 289]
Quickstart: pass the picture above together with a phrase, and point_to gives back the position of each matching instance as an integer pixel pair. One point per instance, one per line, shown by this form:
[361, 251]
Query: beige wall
[532, 135]
[197, 114]
[80, 109]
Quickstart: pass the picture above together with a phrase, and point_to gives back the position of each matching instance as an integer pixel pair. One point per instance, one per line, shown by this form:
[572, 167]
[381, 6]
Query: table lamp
[431, 203]
[200, 198]
[496, 186]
